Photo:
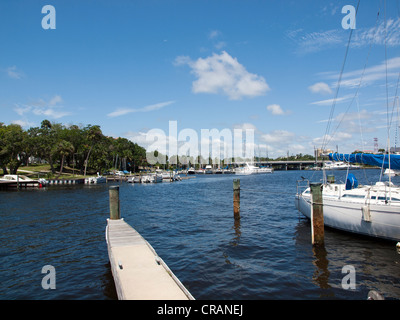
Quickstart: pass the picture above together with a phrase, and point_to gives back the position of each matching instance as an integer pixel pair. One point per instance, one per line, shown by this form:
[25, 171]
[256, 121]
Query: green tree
[12, 147]
[63, 148]
[93, 136]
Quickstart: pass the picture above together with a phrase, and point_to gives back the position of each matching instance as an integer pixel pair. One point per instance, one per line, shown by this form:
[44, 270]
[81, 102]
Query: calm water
[267, 255]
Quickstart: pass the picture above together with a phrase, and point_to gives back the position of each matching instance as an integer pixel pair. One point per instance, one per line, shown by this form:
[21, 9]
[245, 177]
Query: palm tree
[94, 135]
[64, 148]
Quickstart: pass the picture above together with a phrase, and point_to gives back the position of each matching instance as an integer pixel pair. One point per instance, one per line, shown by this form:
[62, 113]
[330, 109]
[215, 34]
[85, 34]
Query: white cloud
[50, 112]
[320, 87]
[322, 40]
[21, 110]
[55, 100]
[13, 73]
[376, 35]
[245, 126]
[275, 109]
[338, 137]
[224, 74]
[214, 34]
[372, 74]
[329, 102]
[23, 123]
[315, 41]
[49, 109]
[278, 137]
[152, 107]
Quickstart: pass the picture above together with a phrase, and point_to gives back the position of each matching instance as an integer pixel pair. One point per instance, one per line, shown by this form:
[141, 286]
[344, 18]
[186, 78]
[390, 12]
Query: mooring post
[115, 212]
[236, 199]
[317, 214]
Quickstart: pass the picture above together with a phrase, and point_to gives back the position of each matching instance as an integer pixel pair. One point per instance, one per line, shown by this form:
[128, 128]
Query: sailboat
[371, 210]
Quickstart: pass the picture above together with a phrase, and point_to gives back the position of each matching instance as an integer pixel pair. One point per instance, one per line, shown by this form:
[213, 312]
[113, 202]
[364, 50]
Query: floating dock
[139, 273]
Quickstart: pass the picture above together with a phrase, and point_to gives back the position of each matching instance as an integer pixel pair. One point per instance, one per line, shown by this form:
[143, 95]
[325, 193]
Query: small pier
[19, 184]
[139, 273]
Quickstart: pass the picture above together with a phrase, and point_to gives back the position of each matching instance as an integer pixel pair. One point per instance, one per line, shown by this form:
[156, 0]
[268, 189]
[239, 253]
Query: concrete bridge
[290, 165]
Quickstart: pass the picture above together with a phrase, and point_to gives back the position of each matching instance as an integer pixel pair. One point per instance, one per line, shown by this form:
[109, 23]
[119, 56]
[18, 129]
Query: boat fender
[366, 213]
[374, 295]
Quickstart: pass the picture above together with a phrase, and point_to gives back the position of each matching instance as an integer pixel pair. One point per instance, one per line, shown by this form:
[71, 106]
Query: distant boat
[251, 169]
[95, 180]
[24, 180]
[155, 177]
[15, 177]
[391, 172]
[208, 169]
[340, 165]
[191, 171]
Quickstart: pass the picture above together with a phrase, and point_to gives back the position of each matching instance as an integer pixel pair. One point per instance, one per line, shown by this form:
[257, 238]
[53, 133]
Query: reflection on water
[321, 273]
[267, 254]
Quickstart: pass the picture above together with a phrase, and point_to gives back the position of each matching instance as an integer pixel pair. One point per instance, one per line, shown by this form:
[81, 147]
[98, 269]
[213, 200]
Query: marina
[201, 162]
[266, 254]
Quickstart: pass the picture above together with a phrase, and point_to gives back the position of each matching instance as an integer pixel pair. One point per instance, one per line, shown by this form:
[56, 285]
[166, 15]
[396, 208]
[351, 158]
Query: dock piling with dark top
[236, 199]
[317, 214]
[115, 211]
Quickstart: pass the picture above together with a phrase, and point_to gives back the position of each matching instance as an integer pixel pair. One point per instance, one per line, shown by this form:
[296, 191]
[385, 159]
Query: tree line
[85, 149]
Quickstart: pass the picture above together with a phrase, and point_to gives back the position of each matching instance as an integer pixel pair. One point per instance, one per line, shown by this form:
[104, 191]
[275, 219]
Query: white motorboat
[191, 171]
[265, 170]
[251, 169]
[167, 175]
[371, 210]
[24, 180]
[208, 169]
[391, 172]
[155, 177]
[146, 179]
[15, 177]
[247, 169]
[339, 165]
[95, 180]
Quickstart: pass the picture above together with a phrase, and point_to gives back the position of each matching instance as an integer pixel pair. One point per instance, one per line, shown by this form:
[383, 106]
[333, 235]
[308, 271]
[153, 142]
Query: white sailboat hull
[381, 221]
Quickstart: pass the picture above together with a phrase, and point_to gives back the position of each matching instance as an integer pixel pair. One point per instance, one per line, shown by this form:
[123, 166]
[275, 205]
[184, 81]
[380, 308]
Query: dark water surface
[266, 255]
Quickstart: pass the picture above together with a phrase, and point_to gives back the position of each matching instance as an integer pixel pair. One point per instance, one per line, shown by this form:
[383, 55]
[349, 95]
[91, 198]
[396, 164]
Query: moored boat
[371, 210]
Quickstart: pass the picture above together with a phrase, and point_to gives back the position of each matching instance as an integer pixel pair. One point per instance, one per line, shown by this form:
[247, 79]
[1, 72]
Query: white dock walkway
[139, 273]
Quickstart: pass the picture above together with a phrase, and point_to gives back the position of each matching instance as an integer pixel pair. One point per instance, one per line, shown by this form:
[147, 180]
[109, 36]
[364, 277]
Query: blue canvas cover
[351, 182]
[370, 159]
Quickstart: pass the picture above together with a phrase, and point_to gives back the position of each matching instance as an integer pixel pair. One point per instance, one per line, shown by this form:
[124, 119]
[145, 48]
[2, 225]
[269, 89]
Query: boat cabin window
[385, 198]
[357, 196]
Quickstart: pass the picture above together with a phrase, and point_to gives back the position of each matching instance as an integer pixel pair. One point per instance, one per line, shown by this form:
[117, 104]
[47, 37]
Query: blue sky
[133, 66]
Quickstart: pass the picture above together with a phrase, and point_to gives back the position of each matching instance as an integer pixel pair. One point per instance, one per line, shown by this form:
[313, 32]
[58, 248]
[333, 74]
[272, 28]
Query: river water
[267, 254]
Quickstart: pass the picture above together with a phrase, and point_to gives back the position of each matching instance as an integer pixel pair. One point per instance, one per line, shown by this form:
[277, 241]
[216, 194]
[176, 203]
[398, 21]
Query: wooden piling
[317, 214]
[236, 199]
[115, 211]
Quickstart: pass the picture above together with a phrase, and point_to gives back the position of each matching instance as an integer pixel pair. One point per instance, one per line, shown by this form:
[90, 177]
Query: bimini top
[380, 160]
